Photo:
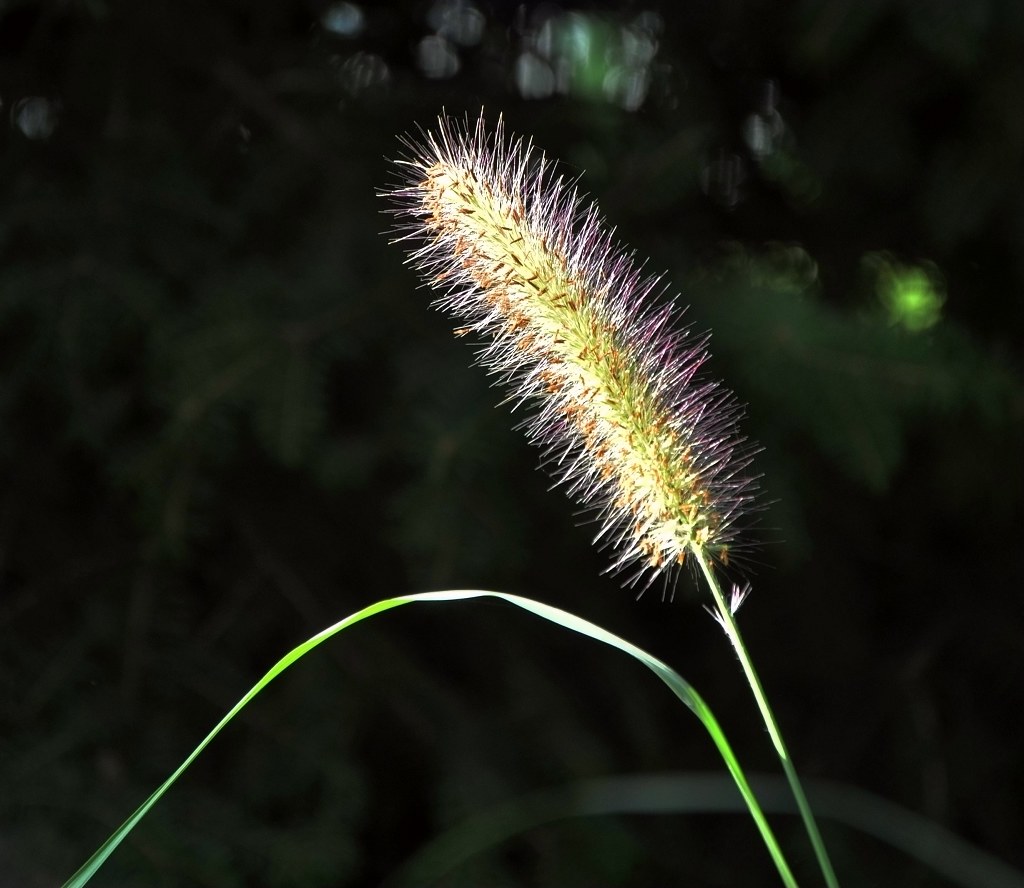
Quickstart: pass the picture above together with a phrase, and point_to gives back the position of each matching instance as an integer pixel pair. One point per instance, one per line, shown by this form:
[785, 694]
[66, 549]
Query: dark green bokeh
[228, 417]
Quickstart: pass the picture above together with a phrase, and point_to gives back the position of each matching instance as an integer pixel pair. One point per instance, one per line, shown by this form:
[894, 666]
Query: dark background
[228, 417]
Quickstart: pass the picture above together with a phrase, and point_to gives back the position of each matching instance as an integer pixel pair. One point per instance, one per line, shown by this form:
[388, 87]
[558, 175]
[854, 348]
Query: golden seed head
[568, 319]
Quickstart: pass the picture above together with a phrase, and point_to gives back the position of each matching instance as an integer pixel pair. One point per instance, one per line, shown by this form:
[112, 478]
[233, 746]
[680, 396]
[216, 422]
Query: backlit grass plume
[571, 323]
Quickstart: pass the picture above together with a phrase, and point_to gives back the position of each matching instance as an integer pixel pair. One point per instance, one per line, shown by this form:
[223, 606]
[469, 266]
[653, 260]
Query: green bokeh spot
[586, 45]
[911, 295]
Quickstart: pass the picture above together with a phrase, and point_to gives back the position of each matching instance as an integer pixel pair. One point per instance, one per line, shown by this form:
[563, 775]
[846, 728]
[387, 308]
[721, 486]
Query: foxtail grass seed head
[576, 330]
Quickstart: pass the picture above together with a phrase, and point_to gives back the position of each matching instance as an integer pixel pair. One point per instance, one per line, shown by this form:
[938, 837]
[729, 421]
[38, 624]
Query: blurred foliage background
[228, 417]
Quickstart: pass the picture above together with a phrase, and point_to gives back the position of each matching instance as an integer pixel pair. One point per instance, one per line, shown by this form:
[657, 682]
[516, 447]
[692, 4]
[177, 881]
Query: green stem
[733, 631]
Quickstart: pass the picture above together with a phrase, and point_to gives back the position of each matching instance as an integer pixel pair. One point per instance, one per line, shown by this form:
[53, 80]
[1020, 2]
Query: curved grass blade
[676, 683]
[944, 852]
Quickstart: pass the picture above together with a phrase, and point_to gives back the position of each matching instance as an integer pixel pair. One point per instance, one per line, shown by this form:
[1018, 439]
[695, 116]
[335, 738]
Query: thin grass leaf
[942, 851]
[676, 683]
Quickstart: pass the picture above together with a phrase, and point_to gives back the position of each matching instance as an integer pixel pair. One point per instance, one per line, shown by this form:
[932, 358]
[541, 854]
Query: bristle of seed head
[575, 329]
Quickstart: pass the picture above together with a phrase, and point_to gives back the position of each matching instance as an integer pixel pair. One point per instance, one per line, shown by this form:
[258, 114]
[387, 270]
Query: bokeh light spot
[912, 296]
[437, 57]
[458, 21]
[343, 19]
[34, 117]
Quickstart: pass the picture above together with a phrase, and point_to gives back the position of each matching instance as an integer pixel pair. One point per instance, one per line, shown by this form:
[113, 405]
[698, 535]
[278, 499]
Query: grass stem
[771, 723]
